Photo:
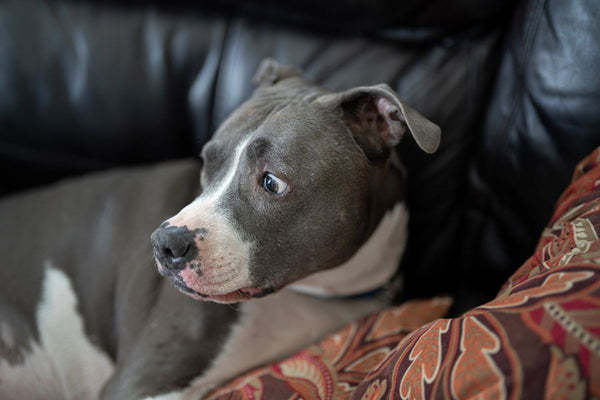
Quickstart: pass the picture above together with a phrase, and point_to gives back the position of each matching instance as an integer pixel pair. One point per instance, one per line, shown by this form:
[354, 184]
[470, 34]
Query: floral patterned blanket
[539, 338]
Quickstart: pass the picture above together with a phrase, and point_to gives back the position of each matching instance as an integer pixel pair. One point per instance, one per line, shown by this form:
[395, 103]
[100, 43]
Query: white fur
[215, 192]
[7, 336]
[64, 364]
[370, 268]
[225, 255]
[36, 378]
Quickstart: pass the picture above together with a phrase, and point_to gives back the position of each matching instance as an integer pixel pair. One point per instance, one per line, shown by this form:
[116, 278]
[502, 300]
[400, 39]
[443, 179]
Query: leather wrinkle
[524, 54]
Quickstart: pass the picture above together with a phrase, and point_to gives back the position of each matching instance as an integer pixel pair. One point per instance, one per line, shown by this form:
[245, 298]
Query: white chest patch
[64, 364]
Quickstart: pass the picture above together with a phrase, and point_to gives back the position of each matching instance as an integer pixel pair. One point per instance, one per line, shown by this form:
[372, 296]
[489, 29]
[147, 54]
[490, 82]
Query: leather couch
[515, 87]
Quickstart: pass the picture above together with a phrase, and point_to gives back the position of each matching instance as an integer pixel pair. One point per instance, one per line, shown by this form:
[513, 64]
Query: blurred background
[87, 86]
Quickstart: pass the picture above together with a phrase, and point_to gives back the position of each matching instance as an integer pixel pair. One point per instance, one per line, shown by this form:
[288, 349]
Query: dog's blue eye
[273, 184]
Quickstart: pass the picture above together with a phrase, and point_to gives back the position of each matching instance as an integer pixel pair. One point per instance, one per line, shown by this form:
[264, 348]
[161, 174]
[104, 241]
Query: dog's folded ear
[378, 119]
[270, 72]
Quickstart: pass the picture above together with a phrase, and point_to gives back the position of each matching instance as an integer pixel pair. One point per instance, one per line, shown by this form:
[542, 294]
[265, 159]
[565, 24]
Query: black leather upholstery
[86, 86]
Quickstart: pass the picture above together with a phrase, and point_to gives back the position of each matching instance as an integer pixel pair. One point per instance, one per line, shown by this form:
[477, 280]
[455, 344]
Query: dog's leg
[178, 341]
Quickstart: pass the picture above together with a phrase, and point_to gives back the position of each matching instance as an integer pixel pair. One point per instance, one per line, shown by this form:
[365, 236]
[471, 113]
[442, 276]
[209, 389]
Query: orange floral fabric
[539, 338]
[333, 368]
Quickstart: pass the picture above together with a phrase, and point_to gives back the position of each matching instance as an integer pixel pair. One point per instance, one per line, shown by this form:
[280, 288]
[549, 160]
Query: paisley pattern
[539, 338]
[425, 360]
[333, 368]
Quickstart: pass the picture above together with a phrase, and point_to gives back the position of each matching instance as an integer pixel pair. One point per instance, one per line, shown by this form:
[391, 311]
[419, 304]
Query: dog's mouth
[181, 281]
[236, 296]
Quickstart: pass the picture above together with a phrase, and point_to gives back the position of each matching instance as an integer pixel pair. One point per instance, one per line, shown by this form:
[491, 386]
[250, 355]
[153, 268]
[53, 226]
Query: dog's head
[293, 182]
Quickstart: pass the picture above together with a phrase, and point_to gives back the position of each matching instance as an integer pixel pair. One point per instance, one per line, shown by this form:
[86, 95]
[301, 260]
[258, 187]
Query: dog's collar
[377, 292]
[370, 269]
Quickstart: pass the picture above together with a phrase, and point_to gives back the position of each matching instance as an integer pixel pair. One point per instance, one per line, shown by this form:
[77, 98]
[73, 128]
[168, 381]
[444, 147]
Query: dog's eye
[273, 184]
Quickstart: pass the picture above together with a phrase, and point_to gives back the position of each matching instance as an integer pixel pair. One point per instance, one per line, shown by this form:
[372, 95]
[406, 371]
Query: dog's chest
[272, 328]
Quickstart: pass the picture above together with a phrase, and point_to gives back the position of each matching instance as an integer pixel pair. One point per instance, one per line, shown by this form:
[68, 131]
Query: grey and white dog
[301, 211]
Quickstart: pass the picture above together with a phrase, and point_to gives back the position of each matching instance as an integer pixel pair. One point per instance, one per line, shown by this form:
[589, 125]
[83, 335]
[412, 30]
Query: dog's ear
[270, 72]
[378, 119]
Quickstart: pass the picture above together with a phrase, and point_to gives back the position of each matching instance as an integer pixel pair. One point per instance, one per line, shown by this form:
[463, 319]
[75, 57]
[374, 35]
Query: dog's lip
[250, 291]
[242, 294]
[233, 297]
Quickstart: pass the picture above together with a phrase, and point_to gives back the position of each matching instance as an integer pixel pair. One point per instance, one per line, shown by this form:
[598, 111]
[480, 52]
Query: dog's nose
[172, 247]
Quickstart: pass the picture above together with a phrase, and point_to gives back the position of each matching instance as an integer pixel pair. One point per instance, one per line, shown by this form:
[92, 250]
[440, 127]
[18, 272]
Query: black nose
[174, 246]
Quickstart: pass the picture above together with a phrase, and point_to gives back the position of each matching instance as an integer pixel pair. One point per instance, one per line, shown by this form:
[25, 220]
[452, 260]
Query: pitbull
[298, 229]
